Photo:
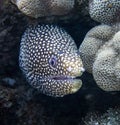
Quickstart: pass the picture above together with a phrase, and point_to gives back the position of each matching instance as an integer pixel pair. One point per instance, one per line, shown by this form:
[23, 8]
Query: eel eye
[53, 61]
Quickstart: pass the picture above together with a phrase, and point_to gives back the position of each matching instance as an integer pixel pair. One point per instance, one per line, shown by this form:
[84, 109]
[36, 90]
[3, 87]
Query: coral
[50, 61]
[111, 117]
[106, 68]
[105, 11]
[100, 54]
[42, 8]
[93, 40]
[54, 10]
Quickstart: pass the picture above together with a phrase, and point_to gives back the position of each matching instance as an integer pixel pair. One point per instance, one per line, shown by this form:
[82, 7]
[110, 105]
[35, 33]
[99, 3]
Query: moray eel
[50, 60]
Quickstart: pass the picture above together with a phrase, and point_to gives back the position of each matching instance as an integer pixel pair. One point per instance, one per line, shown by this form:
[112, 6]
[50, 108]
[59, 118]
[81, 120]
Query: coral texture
[41, 8]
[106, 68]
[105, 11]
[93, 40]
[100, 52]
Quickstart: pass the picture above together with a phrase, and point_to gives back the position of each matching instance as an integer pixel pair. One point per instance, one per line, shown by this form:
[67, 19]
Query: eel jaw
[65, 77]
[59, 86]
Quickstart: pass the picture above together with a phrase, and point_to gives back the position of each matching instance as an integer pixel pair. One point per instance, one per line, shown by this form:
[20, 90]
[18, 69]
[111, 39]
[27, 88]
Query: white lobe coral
[100, 53]
[94, 39]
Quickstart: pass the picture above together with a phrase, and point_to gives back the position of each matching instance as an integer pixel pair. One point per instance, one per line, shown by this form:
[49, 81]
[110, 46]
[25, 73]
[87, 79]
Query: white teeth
[82, 69]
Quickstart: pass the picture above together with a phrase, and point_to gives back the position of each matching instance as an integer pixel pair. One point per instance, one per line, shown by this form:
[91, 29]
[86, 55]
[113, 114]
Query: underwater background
[20, 104]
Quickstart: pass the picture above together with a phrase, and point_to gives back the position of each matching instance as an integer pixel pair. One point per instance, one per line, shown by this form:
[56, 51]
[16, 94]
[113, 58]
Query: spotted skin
[50, 60]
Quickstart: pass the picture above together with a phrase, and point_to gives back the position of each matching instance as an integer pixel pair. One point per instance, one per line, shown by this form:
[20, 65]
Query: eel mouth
[60, 86]
[64, 77]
